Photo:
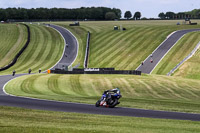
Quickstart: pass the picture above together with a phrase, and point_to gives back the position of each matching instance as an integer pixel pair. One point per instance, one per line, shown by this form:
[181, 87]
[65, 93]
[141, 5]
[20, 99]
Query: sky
[148, 8]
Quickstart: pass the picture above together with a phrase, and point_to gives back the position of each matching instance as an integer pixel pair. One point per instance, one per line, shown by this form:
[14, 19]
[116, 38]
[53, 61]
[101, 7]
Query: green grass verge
[178, 53]
[122, 49]
[191, 68]
[20, 120]
[44, 51]
[12, 39]
[147, 92]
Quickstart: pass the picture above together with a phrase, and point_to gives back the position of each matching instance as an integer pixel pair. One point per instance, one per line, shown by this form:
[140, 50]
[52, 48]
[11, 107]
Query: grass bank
[13, 38]
[147, 92]
[44, 51]
[122, 49]
[20, 120]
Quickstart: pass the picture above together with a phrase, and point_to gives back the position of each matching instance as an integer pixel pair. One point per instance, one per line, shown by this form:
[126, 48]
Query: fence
[97, 71]
[185, 59]
[87, 51]
[20, 52]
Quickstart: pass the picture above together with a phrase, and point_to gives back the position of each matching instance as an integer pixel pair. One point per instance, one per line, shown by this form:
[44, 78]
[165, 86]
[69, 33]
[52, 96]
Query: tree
[110, 16]
[98, 13]
[137, 15]
[161, 15]
[170, 15]
[117, 12]
[127, 15]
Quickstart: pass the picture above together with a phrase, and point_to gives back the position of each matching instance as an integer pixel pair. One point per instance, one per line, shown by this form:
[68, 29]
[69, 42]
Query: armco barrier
[87, 51]
[101, 71]
[185, 59]
[20, 52]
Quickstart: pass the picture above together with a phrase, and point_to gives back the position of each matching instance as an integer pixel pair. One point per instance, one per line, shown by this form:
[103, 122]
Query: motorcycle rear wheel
[113, 103]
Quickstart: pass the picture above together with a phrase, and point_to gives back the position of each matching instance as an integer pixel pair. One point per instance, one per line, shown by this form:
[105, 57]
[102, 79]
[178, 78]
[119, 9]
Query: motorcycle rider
[113, 92]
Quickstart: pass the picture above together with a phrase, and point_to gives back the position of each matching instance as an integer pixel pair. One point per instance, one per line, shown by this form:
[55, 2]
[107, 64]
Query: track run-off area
[8, 100]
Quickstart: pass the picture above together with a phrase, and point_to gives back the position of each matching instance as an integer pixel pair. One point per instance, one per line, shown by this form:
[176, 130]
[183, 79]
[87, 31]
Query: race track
[162, 50]
[6, 100]
[71, 45]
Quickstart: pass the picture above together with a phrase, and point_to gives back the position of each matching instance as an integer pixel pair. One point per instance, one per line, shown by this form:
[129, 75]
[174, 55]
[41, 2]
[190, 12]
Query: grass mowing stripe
[12, 40]
[41, 83]
[101, 47]
[138, 91]
[170, 92]
[149, 89]
[7, 32]
[120, 63]
[27, 85]
[124, 84]
[133, 88]
[42, 51]
[35, 50]
[99, 28]
[102, 39]
[124, 50]
[53, 84]
[108, 50]
[16, 47]
[90, 29]
[114, 38]
[88, 87]
[75, 84]
[51, 52]
[118, 52]
[65, 84]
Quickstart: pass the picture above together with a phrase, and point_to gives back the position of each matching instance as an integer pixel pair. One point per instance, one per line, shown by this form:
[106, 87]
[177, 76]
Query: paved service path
[6, 100]
[162, 50]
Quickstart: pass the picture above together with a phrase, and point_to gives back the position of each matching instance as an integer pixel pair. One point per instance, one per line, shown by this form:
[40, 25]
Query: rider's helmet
[117, 88]
[118, 91]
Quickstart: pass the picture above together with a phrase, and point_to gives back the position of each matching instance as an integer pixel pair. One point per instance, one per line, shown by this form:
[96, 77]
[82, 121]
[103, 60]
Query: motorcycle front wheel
[98, 103]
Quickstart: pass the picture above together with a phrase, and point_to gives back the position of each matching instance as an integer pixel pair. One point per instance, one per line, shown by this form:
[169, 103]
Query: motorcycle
[108, 100]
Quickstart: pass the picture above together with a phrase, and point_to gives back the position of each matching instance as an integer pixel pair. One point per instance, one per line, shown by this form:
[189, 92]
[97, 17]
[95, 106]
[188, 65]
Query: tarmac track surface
[30, 103]
[162, 50]
[71, 45]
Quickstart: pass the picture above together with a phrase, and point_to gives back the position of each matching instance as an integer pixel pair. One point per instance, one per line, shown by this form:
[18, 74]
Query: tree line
[194, 14]
[136, 16]
[97, 13]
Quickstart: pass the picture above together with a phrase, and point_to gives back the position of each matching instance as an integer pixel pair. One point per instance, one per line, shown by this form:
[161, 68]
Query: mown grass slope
[178, 53]
[191, 68]
[44, 51]
[148, 92]
[12, 39]
[122, 49]
[25, 120]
